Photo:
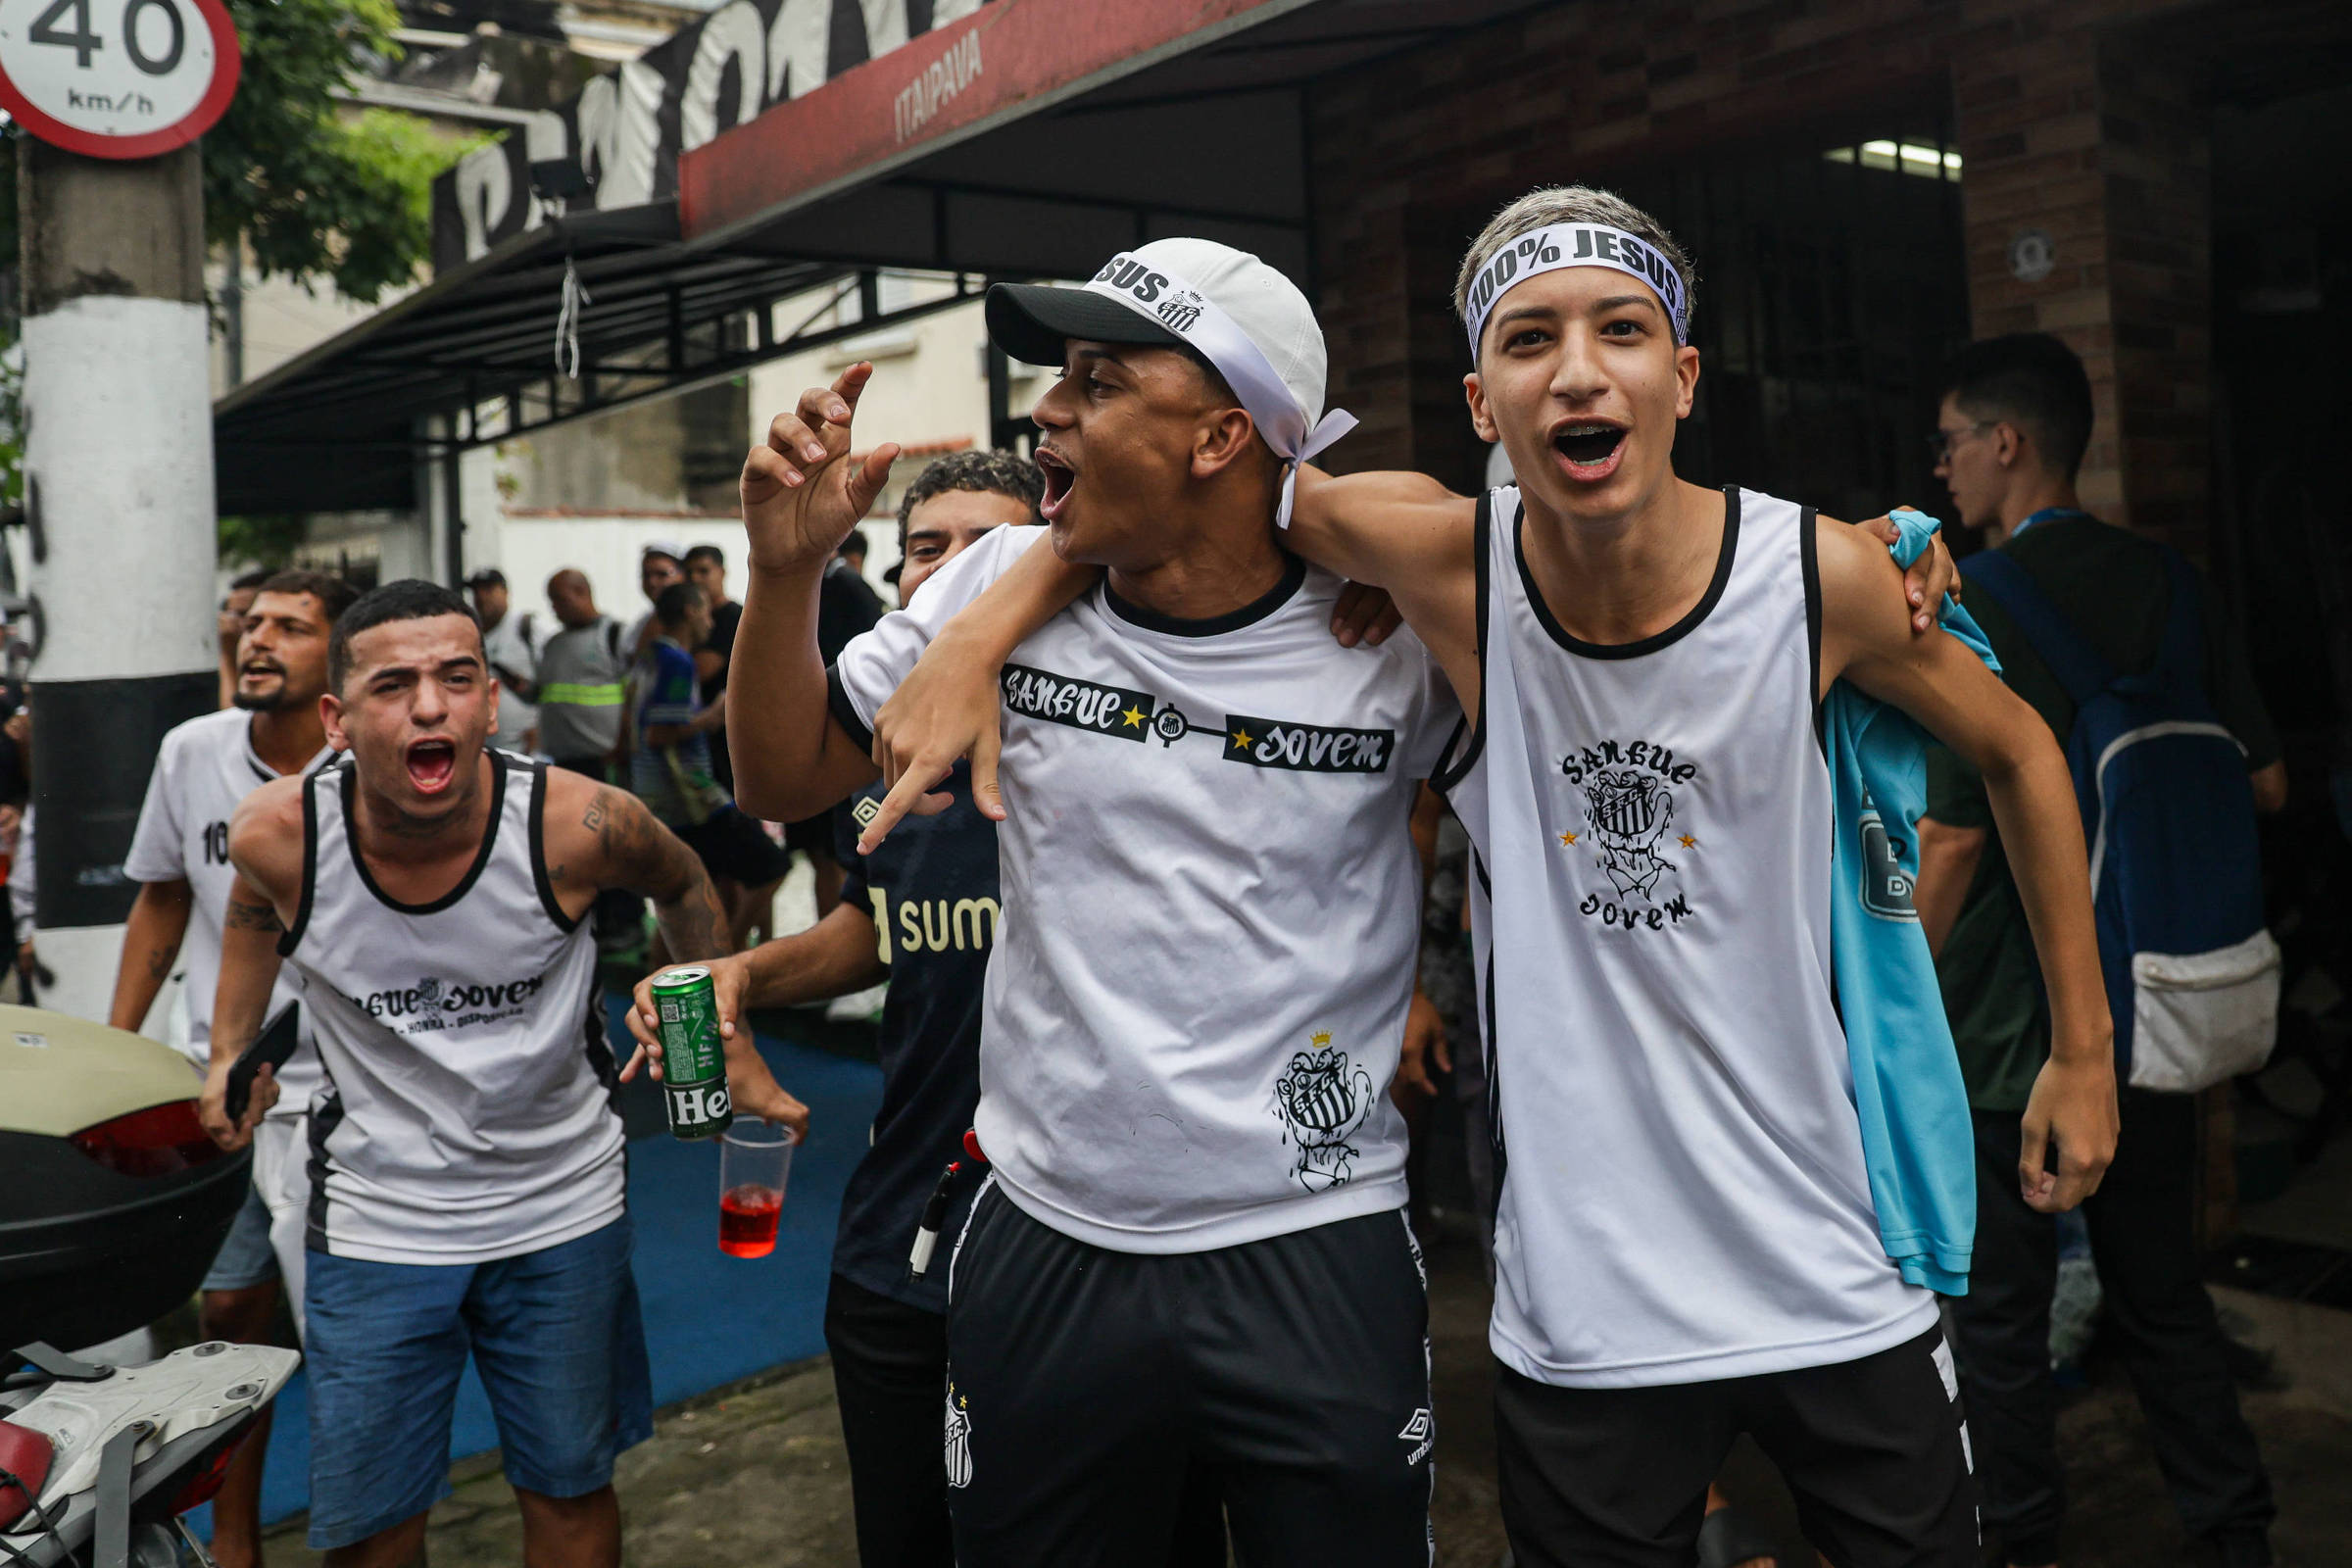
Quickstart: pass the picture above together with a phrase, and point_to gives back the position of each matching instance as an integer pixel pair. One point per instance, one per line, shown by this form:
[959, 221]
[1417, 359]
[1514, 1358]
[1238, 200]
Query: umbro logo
[867, 809]
[1417, 1431]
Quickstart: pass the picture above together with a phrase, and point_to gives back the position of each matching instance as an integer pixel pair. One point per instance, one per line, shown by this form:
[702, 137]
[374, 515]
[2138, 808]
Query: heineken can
[694, 1059]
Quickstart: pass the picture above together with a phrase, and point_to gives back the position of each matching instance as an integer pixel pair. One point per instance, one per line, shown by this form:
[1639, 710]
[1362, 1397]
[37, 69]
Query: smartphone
[273, 1045]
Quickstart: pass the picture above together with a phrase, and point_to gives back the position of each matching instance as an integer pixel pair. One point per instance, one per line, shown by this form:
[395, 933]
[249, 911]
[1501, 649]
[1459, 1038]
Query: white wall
[929, 390]
[283, 320]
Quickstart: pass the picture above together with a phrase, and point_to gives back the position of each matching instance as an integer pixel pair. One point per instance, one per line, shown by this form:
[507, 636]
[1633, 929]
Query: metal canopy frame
[696, 347]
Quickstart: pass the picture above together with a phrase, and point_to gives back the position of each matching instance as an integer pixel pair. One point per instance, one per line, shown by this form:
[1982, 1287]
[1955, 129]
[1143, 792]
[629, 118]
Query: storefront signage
[627, 129]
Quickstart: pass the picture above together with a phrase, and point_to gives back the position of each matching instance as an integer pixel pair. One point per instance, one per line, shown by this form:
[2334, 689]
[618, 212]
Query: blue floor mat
[709, 1319]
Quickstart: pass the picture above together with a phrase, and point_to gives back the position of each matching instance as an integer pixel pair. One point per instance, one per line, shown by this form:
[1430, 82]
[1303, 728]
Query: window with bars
[1831, 291]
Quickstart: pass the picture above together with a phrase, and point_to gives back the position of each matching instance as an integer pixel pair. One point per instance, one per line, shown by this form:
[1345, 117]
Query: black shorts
[1875, 1450]
[812, 836]
[732, 844]
[1294, 1370]
[890, 1364]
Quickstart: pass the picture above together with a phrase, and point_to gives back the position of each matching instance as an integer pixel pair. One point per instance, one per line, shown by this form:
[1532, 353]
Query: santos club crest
[1321, 1098]
[959, 1439]
[1629, 810]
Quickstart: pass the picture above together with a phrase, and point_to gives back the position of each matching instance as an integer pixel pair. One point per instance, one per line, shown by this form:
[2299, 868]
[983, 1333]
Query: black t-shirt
[931, 890]
[846, 606]
[721, 641]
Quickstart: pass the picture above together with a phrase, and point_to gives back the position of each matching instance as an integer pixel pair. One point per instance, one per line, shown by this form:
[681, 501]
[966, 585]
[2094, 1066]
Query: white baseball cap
[1227, 305]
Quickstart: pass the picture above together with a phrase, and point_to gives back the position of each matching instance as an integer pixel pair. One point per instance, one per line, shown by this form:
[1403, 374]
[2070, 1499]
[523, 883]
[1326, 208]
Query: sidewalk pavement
[753, 1473]
[754, 1476]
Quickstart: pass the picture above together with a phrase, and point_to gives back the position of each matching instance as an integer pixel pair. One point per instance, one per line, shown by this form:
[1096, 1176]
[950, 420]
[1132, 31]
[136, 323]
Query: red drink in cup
[747, 1220]
[754, 1161]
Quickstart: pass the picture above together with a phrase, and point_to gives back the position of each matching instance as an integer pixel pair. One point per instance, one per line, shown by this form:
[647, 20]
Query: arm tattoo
[625, 830]
[243, 916]
[644, 856]
[159, 963]
[692, 923]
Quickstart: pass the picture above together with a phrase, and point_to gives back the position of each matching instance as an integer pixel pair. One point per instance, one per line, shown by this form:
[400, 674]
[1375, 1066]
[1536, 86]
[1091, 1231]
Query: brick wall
[2156, 160]
[2064, 124]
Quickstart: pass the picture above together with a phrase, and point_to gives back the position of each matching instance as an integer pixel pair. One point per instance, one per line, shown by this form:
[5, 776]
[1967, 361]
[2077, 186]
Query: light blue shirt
[1918, 1143]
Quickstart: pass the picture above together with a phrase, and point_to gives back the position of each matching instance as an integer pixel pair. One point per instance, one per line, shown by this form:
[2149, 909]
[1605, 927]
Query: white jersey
[1683, 1196]
[206, 769]
[470, 1109]
[513, 646]
[1198, 988]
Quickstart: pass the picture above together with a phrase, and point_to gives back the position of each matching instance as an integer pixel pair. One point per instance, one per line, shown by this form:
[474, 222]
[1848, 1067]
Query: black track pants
[2158, 1314]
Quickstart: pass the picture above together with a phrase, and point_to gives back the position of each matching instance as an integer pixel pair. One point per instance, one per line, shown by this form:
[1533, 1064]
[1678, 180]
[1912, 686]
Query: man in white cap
[1192, 1245]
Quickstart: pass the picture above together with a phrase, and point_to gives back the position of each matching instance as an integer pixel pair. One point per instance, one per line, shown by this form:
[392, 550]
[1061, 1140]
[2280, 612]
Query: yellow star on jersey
[1690, 843]
[1242, 740]
[1567, 838]
[1134, 716]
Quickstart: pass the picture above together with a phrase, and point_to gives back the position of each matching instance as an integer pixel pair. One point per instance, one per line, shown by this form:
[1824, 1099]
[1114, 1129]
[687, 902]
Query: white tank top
[1682, 1194]
[470, 1111]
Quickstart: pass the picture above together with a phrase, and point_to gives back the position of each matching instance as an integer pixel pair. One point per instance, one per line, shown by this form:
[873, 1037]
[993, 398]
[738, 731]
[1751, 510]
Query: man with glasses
[2013, 428]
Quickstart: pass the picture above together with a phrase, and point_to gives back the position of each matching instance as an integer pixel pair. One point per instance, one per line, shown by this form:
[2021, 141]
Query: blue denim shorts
[556, 1338]
[246, 1257]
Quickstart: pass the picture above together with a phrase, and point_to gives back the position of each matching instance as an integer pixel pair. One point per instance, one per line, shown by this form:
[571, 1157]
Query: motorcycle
[99, 1465]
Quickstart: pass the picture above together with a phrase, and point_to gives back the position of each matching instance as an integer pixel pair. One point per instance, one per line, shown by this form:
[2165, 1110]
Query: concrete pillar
[119, 499]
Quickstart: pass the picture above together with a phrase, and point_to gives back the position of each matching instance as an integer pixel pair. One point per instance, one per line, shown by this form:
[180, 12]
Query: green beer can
[694, 1059]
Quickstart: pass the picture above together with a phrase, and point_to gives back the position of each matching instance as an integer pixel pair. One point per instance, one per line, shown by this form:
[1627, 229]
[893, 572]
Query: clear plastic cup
[755, 1160]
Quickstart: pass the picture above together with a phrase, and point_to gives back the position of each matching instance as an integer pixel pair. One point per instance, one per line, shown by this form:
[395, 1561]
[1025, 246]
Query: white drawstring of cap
[1201, 323]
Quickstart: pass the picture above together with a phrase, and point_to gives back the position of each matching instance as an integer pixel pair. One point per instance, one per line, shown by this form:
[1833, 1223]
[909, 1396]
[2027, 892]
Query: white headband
[1159, 295]
[1547, 249]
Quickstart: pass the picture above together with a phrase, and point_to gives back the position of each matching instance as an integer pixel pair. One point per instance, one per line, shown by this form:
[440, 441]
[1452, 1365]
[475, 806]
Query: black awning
[344, 426]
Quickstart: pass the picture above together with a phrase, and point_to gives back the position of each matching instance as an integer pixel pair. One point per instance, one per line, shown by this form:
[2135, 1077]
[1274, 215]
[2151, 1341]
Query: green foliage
[12, 424]
[261, 543]
[316, 194]
[319, 193]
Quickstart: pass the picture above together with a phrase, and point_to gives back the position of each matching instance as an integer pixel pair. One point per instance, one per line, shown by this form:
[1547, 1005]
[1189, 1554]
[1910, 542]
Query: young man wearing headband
[1687, 1245]
[1192, 1249]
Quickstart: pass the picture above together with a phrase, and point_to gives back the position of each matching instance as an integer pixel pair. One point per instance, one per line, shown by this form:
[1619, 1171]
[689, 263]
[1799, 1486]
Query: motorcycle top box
[104, 1462]
[113, 1199]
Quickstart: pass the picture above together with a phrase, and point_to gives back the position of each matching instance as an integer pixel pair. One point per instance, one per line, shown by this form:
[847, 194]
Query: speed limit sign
[117, 79]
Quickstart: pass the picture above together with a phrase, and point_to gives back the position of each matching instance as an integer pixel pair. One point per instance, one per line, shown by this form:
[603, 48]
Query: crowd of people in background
[643, 705]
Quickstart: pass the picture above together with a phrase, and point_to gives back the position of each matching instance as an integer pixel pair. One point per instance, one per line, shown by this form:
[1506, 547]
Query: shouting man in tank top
[465, 1149]
[1722, 1244]
[1700, 1232]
